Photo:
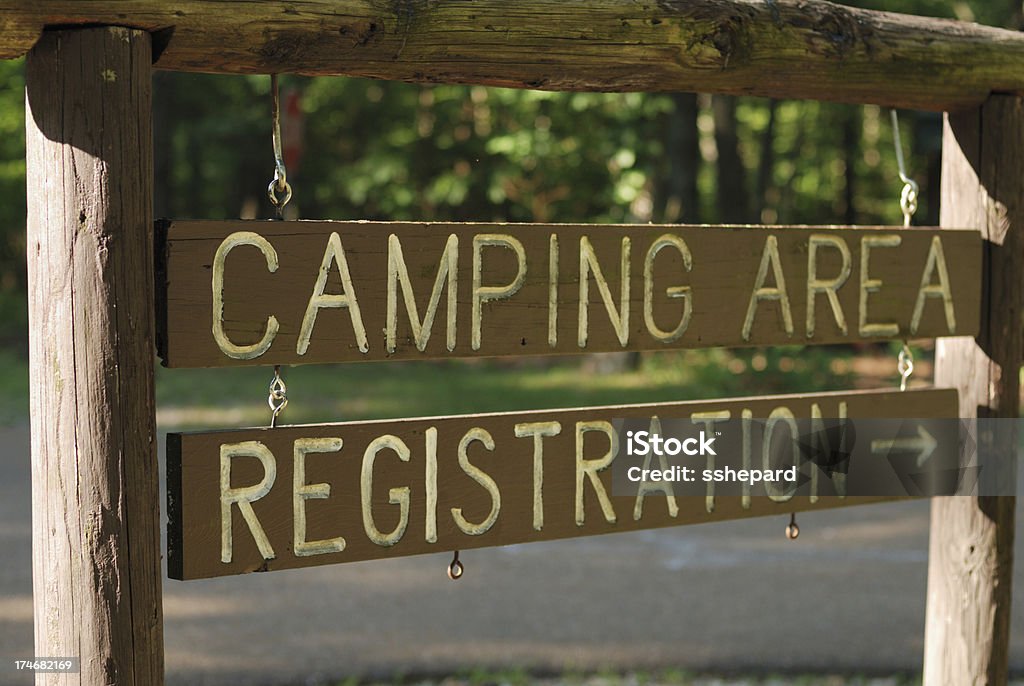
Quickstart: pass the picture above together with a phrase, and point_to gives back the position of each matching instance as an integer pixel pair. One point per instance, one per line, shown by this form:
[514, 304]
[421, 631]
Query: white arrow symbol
[924, 445]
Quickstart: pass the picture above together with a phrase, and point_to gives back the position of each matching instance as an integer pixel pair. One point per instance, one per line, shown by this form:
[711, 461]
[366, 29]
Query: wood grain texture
[194, 464]
[970, 569]
[95, 514]
[722, 278]
[783, 49]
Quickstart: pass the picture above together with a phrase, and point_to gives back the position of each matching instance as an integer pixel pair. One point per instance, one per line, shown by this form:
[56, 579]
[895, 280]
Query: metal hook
[455, 569]
[792, 530]
[280, 180]
[905, 365]
[908, 196]
[278, 396]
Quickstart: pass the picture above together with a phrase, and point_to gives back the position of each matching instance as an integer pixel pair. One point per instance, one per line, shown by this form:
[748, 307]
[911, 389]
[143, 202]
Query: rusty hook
[792, 530]
[455, 569]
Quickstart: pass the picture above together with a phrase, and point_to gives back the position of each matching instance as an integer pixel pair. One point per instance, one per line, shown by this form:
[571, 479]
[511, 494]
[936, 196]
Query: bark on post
[971, 552]
[95, 504]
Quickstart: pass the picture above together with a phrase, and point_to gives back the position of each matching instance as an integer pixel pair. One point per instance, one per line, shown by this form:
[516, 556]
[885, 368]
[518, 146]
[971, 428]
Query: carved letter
[430, 479]
[770, 257]
[709, 419]
[869, 285]
[780, 414]
[589, 468]
[619, 317]
[553, 290]
[683, 292]
[481, 477]
[746, 463]
[820, 446]
[396, 496]
[482, 294]
[245, 496]
[538, 430]
[936, 262]
[827, 286]
[646, 487]
[301, 492]
[240, 352]
[398, 272]
[333, 253]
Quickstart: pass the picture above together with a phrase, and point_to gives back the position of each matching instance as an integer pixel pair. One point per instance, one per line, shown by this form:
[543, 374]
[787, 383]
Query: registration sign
[266, 499]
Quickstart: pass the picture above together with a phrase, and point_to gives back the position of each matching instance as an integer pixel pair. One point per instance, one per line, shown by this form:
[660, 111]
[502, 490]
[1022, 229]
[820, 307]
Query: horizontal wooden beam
[784, 48]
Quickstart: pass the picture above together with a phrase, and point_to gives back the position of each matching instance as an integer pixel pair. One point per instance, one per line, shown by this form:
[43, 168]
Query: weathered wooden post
[971, 553]
[96, 559]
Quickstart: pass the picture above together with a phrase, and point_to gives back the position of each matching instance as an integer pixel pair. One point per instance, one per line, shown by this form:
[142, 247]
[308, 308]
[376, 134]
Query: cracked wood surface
[970, 561]
[778, 48]
[95, 503]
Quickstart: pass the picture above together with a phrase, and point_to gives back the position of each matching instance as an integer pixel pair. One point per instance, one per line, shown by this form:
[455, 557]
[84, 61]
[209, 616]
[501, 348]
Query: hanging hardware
[908, 196]
[279, 184]
[277, 397]
[905, 365]
[792, 530]
[455, 569]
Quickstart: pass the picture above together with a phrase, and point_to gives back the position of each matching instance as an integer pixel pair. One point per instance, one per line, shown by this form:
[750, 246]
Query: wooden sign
[233, 293]
[265, 499]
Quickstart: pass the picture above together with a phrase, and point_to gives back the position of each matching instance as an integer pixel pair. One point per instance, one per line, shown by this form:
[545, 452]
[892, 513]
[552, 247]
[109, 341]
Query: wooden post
[95, 504]
[971, 552]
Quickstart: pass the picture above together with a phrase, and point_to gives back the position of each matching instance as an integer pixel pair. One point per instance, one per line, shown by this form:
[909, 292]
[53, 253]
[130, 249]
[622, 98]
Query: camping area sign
[233, 293]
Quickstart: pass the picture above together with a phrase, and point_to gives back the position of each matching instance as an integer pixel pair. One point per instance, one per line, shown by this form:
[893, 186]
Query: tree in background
[12, 204]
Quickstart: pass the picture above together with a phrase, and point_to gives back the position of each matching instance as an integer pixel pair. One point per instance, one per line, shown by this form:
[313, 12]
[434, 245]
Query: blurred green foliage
[13, 310]
[211, 397]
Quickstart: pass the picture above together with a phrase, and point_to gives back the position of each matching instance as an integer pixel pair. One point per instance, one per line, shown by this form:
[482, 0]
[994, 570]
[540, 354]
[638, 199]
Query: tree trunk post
[95, 491]
[971, 550]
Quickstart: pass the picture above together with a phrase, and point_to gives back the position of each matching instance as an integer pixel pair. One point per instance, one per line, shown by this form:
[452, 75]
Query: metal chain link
[905, 365]
[277, 397]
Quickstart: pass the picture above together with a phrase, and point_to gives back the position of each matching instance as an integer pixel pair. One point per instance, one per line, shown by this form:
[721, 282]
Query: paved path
[848, 596]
